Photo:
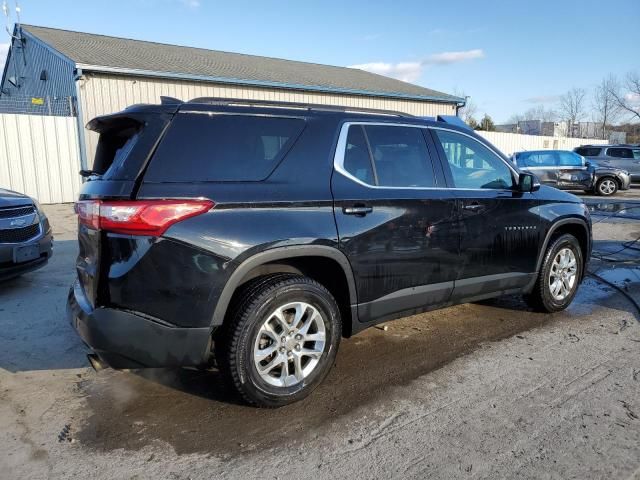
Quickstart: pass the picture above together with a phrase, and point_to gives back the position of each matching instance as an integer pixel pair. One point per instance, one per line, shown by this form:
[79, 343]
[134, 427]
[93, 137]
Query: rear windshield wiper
[89, 173]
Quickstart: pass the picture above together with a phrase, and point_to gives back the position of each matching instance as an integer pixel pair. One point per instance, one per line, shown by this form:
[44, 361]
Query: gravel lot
[486, 390]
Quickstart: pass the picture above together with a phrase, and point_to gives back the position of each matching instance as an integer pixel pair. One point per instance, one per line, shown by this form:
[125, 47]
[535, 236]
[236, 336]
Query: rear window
[219, 147]
[588, 151]
[115, 144]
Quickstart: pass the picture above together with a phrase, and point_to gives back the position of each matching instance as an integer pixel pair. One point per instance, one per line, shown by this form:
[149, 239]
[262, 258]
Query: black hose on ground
[619, 289]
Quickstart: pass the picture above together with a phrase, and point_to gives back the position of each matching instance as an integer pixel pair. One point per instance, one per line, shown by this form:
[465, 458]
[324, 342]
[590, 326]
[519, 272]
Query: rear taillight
[138, 217]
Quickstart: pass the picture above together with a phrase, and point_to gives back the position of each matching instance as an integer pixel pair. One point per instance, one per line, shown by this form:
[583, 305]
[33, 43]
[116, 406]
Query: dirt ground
[488, 390]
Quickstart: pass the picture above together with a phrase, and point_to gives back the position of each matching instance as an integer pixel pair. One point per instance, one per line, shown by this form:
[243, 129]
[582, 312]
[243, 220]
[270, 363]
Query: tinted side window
[636, 153]
[200, 148]
[356, 156]
[619, 153]
[400, 156]
[472, 164]
[537, 159]
[588, 151]
[569, 159]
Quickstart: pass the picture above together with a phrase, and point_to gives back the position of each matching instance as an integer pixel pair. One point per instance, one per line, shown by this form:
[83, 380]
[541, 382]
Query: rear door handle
[359, 210]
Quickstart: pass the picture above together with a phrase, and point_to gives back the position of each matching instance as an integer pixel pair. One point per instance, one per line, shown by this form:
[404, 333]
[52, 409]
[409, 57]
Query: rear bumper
[125, 340]
[9, 269]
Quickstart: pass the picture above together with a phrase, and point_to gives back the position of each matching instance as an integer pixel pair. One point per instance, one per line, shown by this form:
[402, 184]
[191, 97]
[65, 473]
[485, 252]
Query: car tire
[281, 339]
[563, 262]
[606, 186]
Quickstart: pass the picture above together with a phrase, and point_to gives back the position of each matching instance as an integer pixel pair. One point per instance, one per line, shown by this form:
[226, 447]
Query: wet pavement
[129, 410]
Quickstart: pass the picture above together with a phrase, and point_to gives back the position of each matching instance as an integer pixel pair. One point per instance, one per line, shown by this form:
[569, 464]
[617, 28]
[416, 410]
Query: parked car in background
[258, 234]
[569, 171]
[625, 157]
[25, 235]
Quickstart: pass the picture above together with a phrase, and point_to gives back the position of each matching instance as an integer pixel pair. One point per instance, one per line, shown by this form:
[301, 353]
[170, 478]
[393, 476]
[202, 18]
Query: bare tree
[605, 106]
[534, 113]
[627, 96]
[572, 107]
[515, 118]
[540, 113]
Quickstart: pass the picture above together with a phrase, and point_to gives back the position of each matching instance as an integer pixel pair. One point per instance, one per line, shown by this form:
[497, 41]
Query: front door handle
[358, 210]
[473, 206]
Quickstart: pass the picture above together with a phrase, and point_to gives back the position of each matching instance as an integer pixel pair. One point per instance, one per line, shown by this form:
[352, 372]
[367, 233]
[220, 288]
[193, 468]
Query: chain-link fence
[49, 106]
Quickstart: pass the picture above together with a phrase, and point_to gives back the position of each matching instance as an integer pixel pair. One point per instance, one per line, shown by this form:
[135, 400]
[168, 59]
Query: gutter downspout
[79, 121]
[461, 105]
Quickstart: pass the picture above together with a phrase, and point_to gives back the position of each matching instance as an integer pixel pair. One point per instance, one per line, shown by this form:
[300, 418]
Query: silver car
[25, 235]
[625, 157]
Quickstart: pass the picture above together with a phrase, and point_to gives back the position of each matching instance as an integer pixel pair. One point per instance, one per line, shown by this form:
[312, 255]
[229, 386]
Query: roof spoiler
[453, 120]
[170, 100]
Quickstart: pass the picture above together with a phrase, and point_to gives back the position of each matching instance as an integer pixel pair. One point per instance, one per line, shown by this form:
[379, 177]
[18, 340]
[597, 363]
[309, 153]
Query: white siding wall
[510, 143]
[39, 156]
[102, 94]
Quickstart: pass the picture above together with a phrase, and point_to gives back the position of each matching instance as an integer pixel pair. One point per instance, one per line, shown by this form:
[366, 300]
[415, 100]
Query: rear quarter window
[588, 151]
[219, 147]
[619, 153]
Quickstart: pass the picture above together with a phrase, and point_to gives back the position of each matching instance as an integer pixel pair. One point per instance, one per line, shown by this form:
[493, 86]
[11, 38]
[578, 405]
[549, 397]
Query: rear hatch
[126, 142]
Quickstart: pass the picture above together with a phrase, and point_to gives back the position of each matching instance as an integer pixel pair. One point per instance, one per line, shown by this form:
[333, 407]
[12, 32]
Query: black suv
[254, 236]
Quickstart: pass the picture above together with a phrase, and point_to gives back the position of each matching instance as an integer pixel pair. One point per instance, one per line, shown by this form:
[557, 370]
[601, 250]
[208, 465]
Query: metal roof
[102, 53]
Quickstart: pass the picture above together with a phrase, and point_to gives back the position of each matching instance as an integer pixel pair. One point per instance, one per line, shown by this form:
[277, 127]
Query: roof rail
[295, 105]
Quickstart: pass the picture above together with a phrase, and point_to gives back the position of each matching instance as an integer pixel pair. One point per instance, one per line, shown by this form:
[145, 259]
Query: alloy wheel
[607, 187]
[289, 344]
[563, 274]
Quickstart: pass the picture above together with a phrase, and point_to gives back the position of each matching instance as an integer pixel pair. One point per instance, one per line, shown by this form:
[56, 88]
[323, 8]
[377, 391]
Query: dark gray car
[624, 157]
[569, 171]
[25, 235]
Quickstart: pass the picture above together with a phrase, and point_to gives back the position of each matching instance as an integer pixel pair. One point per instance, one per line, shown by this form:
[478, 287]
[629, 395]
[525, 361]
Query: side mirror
[528, 182]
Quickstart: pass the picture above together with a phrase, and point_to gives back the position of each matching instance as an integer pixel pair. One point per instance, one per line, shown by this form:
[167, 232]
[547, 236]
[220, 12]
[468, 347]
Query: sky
[508, 56]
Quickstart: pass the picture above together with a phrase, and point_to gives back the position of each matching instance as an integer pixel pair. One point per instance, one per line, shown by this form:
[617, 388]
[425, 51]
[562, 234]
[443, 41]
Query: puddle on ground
[619, 209]
[194, 412]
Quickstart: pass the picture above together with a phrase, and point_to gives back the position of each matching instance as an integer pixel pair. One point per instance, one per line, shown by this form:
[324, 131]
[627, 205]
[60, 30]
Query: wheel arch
[574, 226]
[610, 175]
[322, 263]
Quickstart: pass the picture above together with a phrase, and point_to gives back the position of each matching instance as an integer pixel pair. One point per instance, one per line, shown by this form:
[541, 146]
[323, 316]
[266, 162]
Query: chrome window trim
[488, 146]
[341, 147]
